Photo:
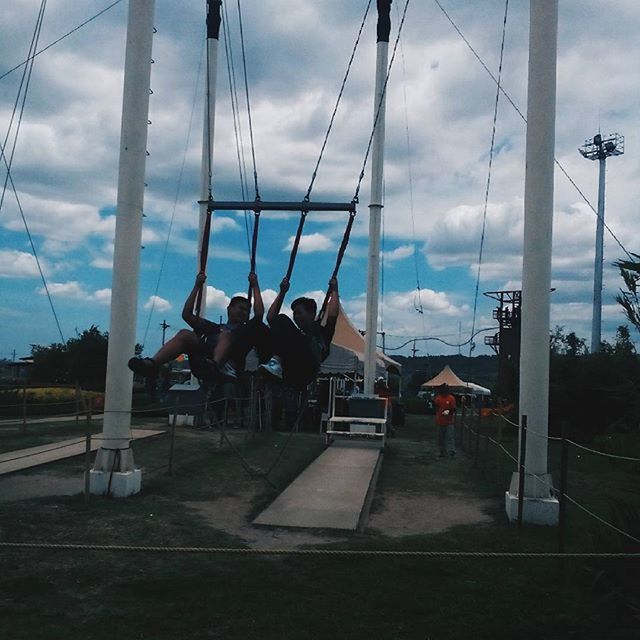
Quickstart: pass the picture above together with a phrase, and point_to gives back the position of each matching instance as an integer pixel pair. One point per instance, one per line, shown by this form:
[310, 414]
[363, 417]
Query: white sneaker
[227, 371]
[272, 367]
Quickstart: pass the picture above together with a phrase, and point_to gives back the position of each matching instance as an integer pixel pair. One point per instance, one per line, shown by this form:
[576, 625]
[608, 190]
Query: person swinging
[214, 350]
[300, 346]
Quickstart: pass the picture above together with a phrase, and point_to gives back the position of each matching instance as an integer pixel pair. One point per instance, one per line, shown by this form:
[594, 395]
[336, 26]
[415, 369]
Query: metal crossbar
[260, 205]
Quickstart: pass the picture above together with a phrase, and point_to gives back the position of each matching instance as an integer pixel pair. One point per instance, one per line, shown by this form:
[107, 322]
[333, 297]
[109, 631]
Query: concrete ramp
[35, 456]
[333, 492]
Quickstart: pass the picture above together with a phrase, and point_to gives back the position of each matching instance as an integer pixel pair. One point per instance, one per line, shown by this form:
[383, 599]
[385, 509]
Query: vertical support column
[596, 321]
[539, 506]
[114, 470]
[213, 36]
[375, 206]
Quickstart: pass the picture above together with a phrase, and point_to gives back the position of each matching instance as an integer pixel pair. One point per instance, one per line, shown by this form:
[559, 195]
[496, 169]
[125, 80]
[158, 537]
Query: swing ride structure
[114, 471]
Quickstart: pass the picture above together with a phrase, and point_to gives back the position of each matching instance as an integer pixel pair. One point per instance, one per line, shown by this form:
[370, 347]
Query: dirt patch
[22, 487]
[230, 514]
[397, 515]
[407, 515]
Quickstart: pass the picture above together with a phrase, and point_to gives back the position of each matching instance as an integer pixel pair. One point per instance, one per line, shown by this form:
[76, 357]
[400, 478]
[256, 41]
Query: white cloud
[311, 243]
[74, 290]
[223, 223]
[66, 163]
[157, 303]
[217, 300]
[18, 264]
[399, 253]
[102, 296]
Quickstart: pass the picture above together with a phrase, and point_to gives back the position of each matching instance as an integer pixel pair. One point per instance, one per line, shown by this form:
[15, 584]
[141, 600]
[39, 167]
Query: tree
[82, 359]
[623, 346]
[629, 300]
[593, 393]
[566, 344]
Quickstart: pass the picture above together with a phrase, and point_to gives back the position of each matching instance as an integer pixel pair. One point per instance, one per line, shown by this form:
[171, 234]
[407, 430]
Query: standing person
[217, 350]
[381, 389]
[301, 345]
[445, 405]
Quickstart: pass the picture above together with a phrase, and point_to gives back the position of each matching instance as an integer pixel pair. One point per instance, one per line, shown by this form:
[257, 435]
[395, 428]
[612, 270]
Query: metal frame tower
[600, 149]
[506, 343]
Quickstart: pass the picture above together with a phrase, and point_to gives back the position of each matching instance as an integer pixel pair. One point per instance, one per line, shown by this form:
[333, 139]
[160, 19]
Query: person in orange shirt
[381, 389]
[445, 410]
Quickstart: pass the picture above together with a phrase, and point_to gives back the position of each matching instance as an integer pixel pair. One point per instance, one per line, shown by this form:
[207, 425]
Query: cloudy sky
[64, 142]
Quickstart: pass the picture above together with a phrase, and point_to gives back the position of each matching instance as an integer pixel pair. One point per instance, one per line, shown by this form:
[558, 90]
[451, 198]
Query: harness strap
[254, 248]
[296, 243]
[204, 255]
[343, 248]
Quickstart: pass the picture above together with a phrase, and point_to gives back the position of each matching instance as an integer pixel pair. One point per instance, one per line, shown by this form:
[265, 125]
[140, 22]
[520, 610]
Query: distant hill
[482, 370]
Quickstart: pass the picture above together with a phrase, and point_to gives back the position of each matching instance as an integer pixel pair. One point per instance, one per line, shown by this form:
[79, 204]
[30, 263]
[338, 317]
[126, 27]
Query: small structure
[187, 404]
[448, 377]
[348, 351]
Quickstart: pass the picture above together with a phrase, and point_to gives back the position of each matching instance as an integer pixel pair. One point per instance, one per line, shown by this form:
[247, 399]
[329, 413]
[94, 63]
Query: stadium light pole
[600, 149]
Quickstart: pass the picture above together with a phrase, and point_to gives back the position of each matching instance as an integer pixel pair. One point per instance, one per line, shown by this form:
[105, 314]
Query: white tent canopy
[448, 377]
[347, 351]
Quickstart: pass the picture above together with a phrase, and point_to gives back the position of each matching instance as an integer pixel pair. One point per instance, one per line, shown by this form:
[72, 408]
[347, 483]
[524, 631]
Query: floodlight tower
[600, 149]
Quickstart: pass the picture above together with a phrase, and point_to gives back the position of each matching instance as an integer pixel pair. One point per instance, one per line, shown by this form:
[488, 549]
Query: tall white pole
[596, 321]
[114, 455]
[536, 270]
[375, 206]
[213, 35]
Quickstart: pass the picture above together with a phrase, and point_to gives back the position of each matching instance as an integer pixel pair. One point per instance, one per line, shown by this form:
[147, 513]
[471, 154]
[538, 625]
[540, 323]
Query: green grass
[92, 594]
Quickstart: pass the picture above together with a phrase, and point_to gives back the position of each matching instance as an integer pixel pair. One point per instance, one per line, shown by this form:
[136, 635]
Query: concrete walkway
[333, 492]
[35, 456]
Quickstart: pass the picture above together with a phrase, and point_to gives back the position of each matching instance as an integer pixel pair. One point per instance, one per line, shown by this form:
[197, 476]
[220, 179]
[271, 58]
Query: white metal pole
[126, 260]
[213, 35]
[538, 222]
[596, 322]
[375, 206]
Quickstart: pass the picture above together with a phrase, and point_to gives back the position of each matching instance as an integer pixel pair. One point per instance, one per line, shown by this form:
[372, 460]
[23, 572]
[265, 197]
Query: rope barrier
[599, 519]
[565, 495]
[602, 453]
[253, 473]
[362, 553]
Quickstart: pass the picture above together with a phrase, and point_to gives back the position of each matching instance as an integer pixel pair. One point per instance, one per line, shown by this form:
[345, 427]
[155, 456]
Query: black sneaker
[145, 367]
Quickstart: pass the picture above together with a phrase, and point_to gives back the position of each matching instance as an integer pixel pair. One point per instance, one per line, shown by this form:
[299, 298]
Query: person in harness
[214, 350]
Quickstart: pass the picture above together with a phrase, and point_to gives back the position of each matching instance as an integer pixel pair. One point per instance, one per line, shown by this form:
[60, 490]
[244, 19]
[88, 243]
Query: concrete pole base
[117, 484]
[539, 506]
[114, 474]
[534, 510]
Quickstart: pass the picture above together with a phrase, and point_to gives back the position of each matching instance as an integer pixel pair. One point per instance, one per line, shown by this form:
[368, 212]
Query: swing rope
[488, 184]
[380, 102]
[296, 243]
[254, 249]
[335, 109]
[237, 126]
[343, 248]
[303, 216]
[204, 256]
[246, 90]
